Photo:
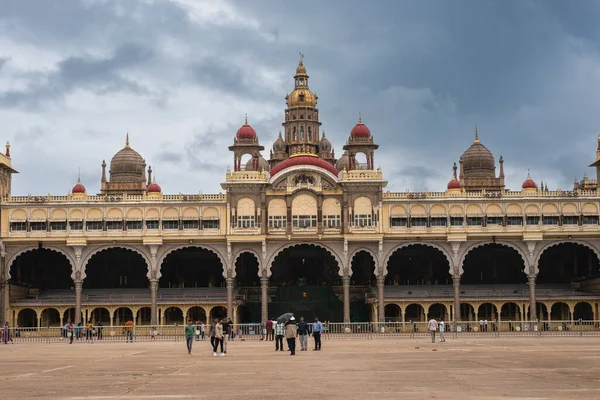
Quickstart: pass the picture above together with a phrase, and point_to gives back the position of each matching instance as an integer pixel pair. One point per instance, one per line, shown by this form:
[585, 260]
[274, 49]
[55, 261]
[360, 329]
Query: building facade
[303, 231]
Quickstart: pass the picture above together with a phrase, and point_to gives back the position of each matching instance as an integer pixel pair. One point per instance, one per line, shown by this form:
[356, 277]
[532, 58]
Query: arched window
[301, 133]
[294, 134]
[309, 133]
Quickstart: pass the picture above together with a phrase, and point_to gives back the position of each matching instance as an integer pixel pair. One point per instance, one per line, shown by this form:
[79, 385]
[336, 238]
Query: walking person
[213, 327]
[6, 334]
[128, 328]
[88, 330]
[279, 333]
[189, 336]
[442, 328]
[303, 334]
[218, 340]
[70, 331]
[291, 331]
[317, 330]
[226, 332]
[270, 329]
[432, 326]
[100, 329]
[202, 330]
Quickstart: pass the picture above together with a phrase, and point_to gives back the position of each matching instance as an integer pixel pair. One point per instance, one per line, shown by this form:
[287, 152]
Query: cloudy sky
[76, 76]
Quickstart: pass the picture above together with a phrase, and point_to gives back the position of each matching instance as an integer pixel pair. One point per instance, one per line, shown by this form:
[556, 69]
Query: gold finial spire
[360, 117]
[127, 140]
[301, 58]
[476, 135]
[246, 119]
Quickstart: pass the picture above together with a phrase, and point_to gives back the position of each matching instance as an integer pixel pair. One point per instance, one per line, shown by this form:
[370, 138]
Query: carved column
[154, 300]
[3, 285]
[78, 286]
[346, 283]
[380, 298]
[456, 285]
[264, 299]
[229, 282]
[532, 303]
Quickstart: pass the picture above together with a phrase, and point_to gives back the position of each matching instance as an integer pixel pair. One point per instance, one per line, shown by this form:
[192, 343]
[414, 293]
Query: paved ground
[506, 368]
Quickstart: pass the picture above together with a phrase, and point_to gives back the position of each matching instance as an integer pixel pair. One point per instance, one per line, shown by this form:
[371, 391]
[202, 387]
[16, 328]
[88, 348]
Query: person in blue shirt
[316, 332]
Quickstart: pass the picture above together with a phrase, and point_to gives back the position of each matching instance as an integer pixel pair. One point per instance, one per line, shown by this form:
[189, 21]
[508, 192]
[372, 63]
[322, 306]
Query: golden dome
[301, 97]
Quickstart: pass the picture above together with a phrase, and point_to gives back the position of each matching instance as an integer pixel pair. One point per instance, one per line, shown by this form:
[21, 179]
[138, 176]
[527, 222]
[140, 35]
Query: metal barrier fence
[337, 330]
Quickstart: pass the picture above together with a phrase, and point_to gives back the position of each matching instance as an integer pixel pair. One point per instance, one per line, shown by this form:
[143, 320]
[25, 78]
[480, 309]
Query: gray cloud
[168, 156]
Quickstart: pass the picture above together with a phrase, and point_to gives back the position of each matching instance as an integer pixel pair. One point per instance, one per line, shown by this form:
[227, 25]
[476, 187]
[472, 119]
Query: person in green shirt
[189, 336]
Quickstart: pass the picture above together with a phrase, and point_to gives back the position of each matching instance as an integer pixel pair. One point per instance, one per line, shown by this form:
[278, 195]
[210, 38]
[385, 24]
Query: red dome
[360, 131]
[529, 183]
[246, 132]
[154, 188]
[79, 188]
[454, 184]
[304, 160]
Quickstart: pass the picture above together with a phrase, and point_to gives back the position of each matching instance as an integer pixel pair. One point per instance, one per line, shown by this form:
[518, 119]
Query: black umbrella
[283, 318]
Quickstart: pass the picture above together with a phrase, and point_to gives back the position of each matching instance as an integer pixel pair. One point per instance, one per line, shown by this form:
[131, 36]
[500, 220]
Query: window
[332, 221]
[309, 134]
[37, 226]
[18, 226]
[245, 221]
[114, 225]
[170, 224]
[550, 220]
[474, 221]
[76, 225]
[457, 221]
[514, 220]
[152, 224]
[570, 220]
[58, 226]
[134, 225]
[363, 220]
[589, 220]
[301, 133]
[438, 221]
[191, 224]
[420, 221]
[94, 226]
[294, 133]
[210, 224]
[494, 220]
[304, 221]
[398, 221]
[277, 221]
[532, 220]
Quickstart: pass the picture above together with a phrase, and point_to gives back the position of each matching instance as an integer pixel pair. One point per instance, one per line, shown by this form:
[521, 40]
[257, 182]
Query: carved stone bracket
[78, 270]
[153, 269]
[456, 258]
[533, 269]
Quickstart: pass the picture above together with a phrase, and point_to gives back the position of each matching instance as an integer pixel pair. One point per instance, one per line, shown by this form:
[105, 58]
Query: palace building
[300, 228]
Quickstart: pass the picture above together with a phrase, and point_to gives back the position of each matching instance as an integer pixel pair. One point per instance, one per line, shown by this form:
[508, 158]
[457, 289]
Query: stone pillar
[532, 307]
[154, 300]
[456, 285]
[4, 295]
[380, 298]
[78, 286]
[229, 282]
[264, 299]
[346, 283]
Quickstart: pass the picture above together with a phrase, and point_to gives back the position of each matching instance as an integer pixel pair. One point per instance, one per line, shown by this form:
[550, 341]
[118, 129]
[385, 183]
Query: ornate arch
[365, 249]
[65, 253]
[89, 256]
[555, 243]
[390, 253]
[483, 243]
[239, 253]
[165, 254]
[338, 259]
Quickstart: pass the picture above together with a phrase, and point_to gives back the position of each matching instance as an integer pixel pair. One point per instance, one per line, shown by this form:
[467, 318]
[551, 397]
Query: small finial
[127, 140]
[360, 118]
[324, 137]
[301, 57]
[279, 134]
[7, 149]
[476, 135]
[246, 119]
[79, 175]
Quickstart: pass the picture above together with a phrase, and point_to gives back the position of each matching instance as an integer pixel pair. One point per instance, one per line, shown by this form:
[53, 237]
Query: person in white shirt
[442, 327]
[432, 326]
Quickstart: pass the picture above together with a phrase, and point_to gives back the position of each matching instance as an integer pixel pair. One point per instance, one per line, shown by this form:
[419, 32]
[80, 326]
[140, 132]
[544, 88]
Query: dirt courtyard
[506, 368]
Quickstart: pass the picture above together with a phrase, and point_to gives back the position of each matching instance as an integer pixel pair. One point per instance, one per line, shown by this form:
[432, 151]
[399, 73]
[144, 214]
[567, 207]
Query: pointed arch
[281, 249]
[513, 246]
[89, 256]
[384, 265]
[555, 243]
[172, 249]
[27, 249]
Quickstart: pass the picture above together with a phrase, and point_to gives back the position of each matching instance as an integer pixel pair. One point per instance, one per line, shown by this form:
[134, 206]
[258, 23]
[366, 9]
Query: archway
[418, 264]
[414, 313]
[467, 312]
[363, 278]
[50, 317]
[144, 316]
[248, 281]
[122, 315]
[191, 267]
[487, 311]
[218, 312]
[541, 311]
[305, 276]
[27, 318]
[173, 316]
[116, 268]
[196, 314]
[510, 312]
[41, 270]
[560, 312]
[69, 315]
[438, 311]
[392, 313]
[492, 264]
[564, 263]
[583, 311]
[100, 315]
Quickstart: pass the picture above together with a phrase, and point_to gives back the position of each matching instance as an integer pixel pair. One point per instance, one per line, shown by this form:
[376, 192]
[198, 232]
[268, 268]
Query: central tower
[301, 124]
